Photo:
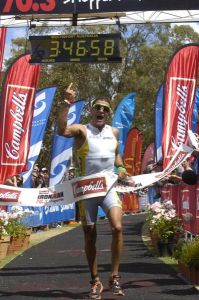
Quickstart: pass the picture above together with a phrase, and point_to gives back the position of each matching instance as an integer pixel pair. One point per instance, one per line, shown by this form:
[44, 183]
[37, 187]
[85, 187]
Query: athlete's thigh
[115, 217]
[88, 209]
[112, 206]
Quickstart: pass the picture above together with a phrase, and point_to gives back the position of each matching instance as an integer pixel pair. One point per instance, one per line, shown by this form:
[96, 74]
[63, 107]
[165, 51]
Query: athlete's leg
[115, 219]
[88, 214]
[90, 236]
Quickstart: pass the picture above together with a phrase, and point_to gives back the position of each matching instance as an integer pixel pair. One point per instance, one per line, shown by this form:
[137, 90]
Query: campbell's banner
[65, 193]
[180, 86]
[17, 107]
[87, 186]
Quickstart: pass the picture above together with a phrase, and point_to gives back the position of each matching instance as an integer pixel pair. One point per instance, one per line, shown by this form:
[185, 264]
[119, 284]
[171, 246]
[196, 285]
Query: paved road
[57, 269]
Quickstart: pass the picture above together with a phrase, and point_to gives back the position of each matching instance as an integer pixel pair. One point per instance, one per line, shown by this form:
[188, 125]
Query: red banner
[132, 163]
[17, 107]
[130, 202]
[179, 97]
[148, 156]
[3, 32]
[132, 152]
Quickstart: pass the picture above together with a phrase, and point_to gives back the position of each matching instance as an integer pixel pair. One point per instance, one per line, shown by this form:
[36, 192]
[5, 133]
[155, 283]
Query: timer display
[82, 48]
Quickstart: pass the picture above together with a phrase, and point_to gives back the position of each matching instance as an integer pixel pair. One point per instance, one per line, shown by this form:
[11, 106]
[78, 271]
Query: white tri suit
[97, 154]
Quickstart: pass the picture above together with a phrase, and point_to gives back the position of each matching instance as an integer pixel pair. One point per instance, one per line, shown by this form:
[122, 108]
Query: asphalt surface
[57, 269]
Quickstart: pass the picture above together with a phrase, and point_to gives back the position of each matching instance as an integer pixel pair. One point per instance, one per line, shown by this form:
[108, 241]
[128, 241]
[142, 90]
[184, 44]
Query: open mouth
[100, 117]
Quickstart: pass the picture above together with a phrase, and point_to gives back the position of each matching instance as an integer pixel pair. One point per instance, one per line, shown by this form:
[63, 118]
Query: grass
[38, 237]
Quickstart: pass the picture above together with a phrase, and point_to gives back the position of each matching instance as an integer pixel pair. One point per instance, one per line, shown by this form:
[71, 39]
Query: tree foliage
[146, 50]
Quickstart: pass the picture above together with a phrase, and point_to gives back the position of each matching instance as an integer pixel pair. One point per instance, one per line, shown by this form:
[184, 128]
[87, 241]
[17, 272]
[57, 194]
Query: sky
[13, 33]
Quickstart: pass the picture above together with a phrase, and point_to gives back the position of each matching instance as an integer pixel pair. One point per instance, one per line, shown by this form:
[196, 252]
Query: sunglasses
[101, 107]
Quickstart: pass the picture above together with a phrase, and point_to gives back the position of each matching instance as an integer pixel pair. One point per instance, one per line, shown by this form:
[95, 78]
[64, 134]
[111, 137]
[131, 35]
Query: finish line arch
[15, 13]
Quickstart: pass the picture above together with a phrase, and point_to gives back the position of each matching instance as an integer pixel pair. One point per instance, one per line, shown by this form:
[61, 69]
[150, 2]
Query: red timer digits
[25, 6]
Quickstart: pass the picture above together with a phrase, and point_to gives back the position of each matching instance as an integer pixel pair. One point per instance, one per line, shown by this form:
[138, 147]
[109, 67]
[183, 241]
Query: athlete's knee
[90, 234]
[117, 228]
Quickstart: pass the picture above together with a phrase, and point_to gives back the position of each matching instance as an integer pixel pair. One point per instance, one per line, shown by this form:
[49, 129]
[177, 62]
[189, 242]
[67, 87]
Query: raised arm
[63, 128]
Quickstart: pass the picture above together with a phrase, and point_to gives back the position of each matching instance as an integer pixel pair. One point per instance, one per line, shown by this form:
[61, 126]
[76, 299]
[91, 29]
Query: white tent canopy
[131, 17]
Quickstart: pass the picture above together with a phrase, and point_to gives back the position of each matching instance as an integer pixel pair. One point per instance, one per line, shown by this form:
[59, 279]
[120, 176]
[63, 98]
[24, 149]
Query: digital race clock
[81, 48]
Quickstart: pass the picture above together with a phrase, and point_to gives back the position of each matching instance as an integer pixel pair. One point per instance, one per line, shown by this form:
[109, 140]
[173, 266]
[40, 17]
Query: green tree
[146, 51]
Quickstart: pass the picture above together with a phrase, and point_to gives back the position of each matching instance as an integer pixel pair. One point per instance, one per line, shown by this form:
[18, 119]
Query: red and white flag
[180, 86]
[17, 107]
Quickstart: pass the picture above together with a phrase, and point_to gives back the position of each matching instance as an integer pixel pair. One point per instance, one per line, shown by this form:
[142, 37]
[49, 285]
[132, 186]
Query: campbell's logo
[9, 195]
[182, 95]
[89, 186]
[18, 105]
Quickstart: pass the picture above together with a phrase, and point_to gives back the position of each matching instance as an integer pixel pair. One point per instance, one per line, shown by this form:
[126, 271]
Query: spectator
[35, 174]
[44, 173]
[14, 180]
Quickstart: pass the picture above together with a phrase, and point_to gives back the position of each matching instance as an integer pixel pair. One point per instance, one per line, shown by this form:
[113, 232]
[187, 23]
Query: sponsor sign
[15, 114]
[7, 195]
[179, 96]
[86, 187]
[17, 107]
[89, 186]
[181, 91]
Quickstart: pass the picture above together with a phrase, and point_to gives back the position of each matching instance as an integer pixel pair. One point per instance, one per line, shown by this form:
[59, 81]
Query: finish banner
[86, 187]
[180, 86]
[17, 107]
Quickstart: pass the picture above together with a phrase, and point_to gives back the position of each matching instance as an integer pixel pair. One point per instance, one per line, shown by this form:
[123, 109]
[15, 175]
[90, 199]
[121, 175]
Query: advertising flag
[132, 152]
[148, 156]
[132, 163]
[17, 107]
[158, 123]
[195, 111]
[159, 120]
[123, 118]
[180, 85]
[62, 147]
[43, 103]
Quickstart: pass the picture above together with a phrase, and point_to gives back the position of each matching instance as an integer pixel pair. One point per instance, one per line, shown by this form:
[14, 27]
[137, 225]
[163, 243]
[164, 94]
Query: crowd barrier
[45, 215]
[184, 197]
[186, 201]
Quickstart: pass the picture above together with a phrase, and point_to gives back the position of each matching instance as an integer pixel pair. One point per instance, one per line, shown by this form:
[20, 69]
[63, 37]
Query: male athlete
[97, 148]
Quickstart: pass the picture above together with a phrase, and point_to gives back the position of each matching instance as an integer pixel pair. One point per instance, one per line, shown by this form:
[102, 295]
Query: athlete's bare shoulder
[115, 132]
